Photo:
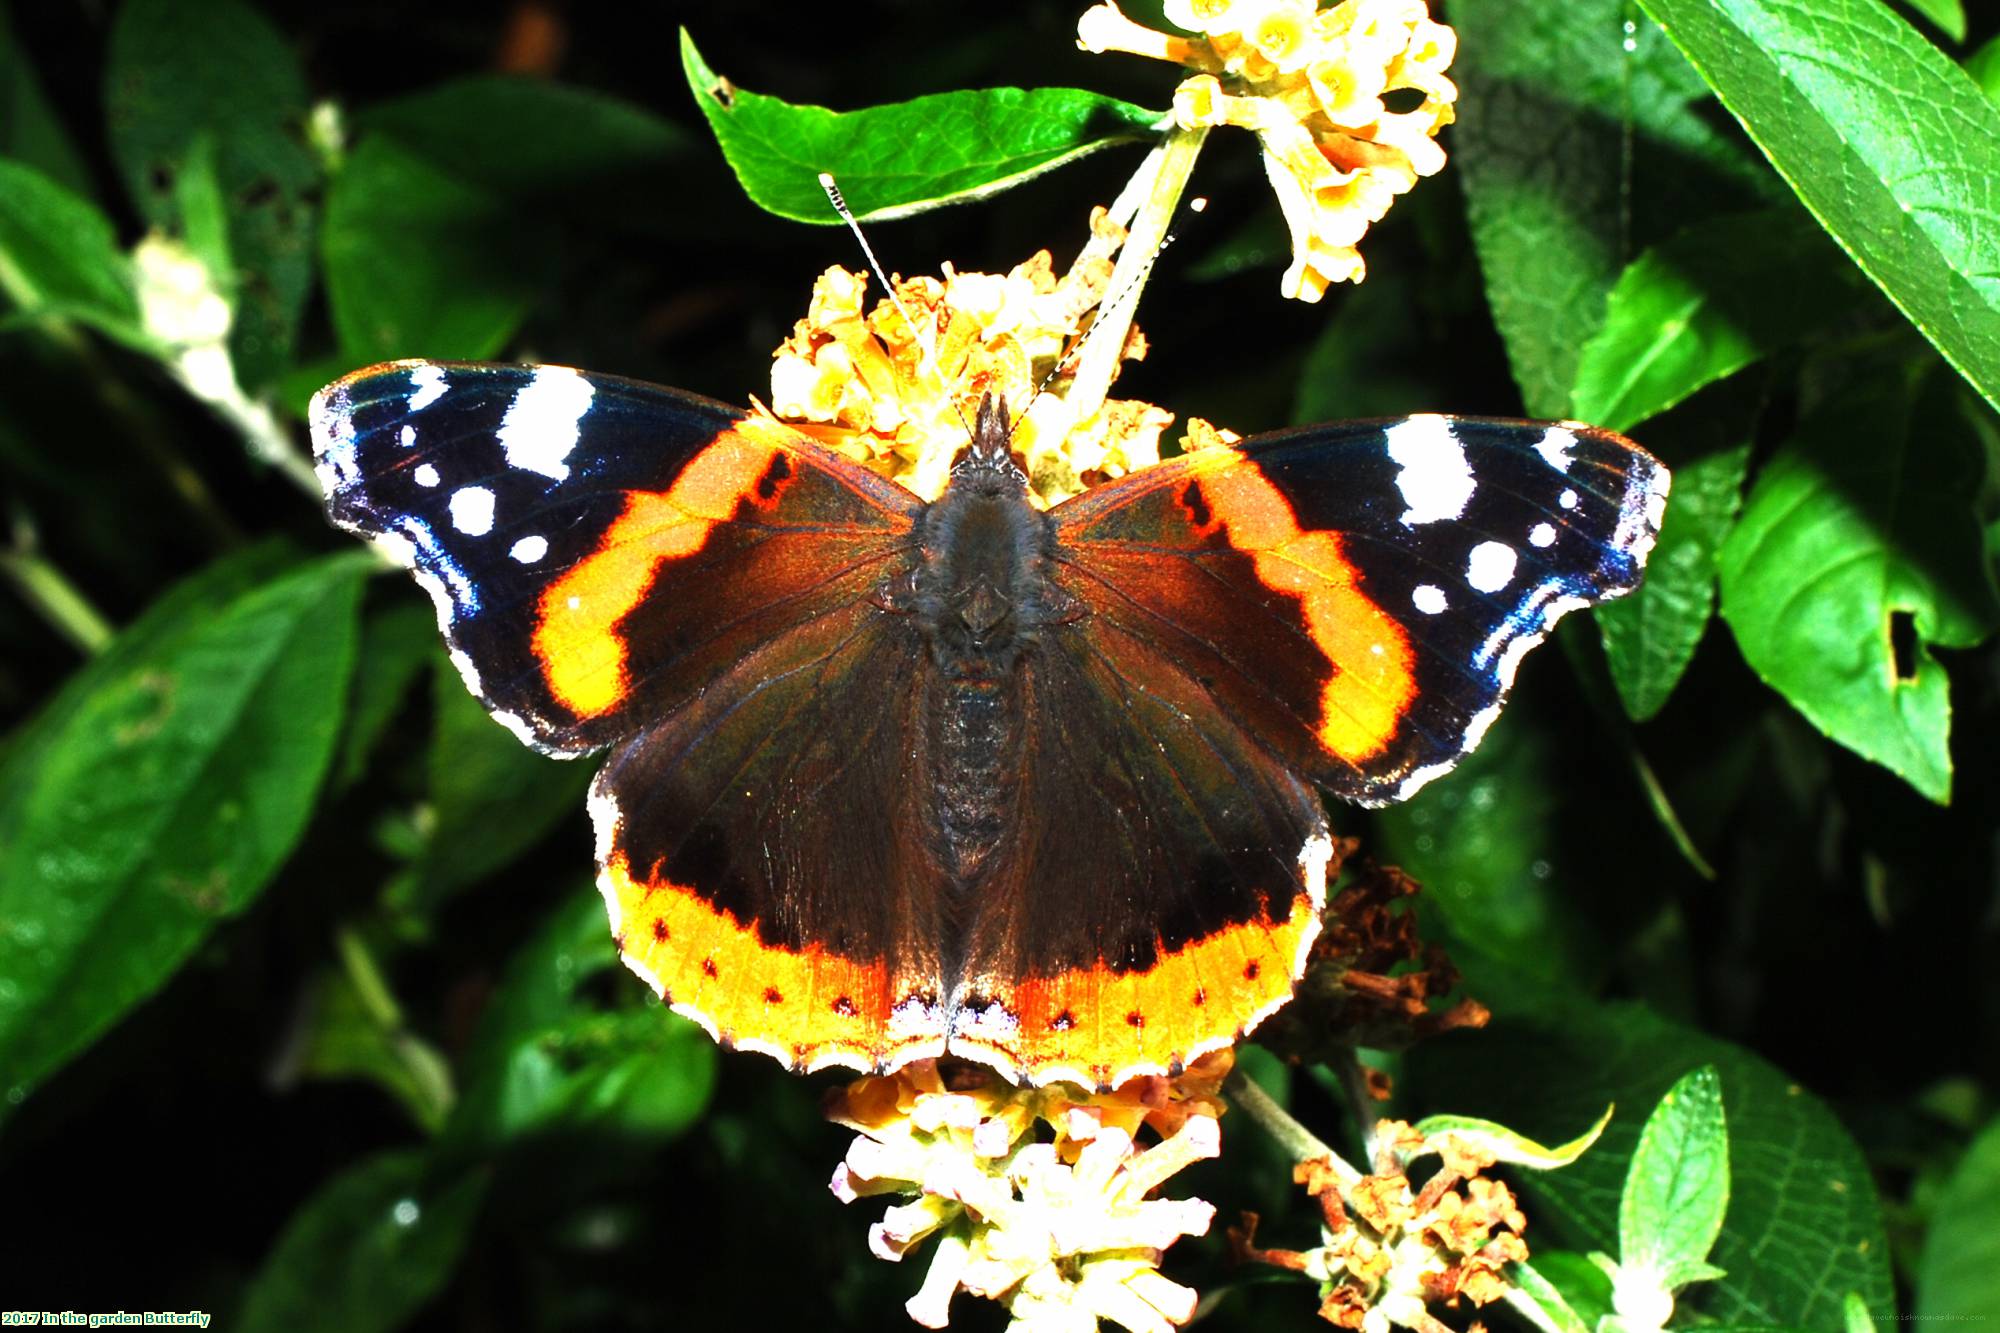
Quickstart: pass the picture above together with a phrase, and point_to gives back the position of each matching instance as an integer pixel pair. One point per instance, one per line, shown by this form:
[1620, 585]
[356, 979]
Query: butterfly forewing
[1360, 594]
[599, 550]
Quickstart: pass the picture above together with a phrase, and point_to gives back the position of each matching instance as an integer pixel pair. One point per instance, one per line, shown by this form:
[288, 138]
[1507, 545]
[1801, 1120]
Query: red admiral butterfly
[890, 778]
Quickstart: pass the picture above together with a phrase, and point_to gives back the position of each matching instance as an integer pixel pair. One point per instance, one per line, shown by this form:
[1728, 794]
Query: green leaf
[1895, 154]
[1570, 145]
[366, 1252]
[1580, 1284]
[204, 214]
[1858, 1318]
[1506, 1145]
[421, 263]
[1959, 1276]
[59, 256]
[906, 157]
[162, 803]
[189, 602]
[1651, 636]
[1699, 307]
[1362, 363]
[1947, 16]
[1548, 1308]
[1481, 844]
[1984, 67]
[396, 645]
[545, 1058]
[182, 70]
[1677, 1190]
[348, 1036]
[30, 131]
[1864, 515]
[543, 146]
[1808, 1233]
[492, 798]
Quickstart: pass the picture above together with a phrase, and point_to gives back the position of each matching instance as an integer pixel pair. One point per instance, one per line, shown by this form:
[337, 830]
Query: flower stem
[1299, 1143]
[1170, 165]
[44, 587]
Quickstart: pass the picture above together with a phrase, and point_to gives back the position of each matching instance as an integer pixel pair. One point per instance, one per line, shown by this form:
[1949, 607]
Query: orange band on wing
[1374, 678]
[577, 640]
[1100, 1026]
[808, 1008]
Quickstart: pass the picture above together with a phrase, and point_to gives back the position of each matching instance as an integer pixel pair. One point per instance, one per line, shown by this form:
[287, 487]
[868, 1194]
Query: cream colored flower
[862, 380]
[1310, 84]
[1041, 1198]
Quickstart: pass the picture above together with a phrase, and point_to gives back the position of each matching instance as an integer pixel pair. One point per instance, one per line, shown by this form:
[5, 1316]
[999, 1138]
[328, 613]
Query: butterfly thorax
[981, 596]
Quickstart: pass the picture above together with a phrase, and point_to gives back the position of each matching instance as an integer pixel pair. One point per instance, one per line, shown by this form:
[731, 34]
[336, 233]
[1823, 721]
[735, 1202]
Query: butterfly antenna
[1132, 284]
[925, 344]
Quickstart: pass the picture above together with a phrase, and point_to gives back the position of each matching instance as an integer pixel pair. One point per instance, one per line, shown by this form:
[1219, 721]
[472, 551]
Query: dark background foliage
[398, 1078]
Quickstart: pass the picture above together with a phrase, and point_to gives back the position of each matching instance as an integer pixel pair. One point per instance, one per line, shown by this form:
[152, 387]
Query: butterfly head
[987, 462]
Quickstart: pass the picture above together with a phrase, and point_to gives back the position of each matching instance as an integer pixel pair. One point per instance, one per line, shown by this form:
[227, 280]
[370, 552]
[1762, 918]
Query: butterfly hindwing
[764, 851]
[599, 549]
[1360, 594]
[1159, 884]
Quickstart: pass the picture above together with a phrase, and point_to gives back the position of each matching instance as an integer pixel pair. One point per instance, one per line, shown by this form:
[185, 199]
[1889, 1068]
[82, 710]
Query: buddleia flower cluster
[1311, 83]
[1040, 1198]
[893, 385]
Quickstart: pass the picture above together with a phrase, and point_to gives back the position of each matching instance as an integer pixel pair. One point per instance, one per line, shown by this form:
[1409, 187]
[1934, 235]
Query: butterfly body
[888, 779]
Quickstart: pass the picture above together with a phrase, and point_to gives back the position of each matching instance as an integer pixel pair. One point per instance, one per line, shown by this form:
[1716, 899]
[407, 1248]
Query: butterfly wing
[614, 562]
[1159, 885]
[1343, 606]
[599, 550]
[1360, 594]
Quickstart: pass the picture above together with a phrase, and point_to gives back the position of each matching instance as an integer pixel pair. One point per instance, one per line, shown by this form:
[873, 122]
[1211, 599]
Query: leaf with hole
[1859, 539]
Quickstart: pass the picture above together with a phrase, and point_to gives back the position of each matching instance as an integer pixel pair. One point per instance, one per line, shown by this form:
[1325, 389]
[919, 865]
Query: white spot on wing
[426, 387]
[407, 436]
[332, 423]
[1433, 476]
[472, 510]
[1429, 599]
[1555, 446]
[426, 475]
[1542, 534]
[1567, 499]
[541, 425]
[1490, 567]
[530, 549]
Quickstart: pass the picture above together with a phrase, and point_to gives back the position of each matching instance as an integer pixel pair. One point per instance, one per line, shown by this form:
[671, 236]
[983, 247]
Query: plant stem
[1170, 165]
[44, 587]
[1299, 1143]
[1354, 1081]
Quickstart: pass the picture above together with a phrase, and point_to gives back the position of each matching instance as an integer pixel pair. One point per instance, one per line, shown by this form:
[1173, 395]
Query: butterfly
[889, 779]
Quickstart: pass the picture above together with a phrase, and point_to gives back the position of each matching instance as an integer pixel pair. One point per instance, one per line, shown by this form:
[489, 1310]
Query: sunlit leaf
[1863, 517]
[909, 156]
[1897, 154]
